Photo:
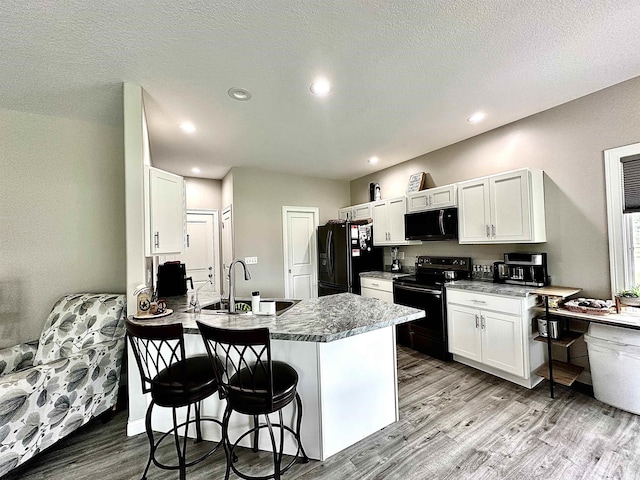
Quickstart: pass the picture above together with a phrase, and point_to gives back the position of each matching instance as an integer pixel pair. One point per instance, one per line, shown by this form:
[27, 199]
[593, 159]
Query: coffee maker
[528, 269]
[395, 263]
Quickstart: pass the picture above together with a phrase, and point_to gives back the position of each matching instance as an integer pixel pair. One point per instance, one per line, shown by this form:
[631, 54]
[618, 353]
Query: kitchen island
[343, 348]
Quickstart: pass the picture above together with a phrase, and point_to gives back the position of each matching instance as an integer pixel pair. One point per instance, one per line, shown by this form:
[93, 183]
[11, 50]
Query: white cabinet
[504, 208]
[361, 212]
[494, 333]
[356, 212]
[377, 288]
[345, 213]
[388, 222]
[165, 214]
[433, 198]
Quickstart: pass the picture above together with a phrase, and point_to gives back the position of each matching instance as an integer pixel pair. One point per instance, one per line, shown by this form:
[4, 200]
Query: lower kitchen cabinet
[377, 288]
[495, 334]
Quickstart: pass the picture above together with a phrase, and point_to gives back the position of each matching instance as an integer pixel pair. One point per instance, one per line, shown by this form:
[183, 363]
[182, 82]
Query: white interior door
[226, 243]
[200, 256]
[300, 251]
[202, 249]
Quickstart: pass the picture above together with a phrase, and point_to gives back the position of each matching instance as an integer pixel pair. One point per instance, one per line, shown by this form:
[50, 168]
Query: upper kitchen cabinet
[356, 212]
[165, 215]
[345, 213]
[503, 208]
[388, 222]
[432, 199]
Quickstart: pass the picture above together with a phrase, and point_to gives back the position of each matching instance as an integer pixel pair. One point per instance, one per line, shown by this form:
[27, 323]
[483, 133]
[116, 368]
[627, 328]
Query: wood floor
[455, 422]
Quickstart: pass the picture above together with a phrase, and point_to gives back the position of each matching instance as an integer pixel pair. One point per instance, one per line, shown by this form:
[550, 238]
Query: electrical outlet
[251, 260]
[400, 255]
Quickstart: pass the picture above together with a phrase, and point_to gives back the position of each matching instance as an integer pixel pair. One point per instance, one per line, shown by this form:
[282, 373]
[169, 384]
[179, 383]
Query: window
[623, 194]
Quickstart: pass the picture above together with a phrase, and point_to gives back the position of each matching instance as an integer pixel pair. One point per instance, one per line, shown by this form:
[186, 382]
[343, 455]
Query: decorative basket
[573, 306]
[631, 301]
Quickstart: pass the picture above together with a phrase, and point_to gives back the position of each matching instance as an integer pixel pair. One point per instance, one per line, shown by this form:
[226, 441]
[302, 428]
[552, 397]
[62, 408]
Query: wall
[258, 198]
[567, 142]
[62, 225]
[226, 193]
[203, 194]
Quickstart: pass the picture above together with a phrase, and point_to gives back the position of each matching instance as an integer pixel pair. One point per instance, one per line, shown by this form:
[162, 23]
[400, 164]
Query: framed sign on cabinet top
[417, 182]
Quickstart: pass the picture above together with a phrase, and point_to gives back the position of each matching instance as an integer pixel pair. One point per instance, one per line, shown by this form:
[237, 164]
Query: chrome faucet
[232, 283]
[195, 302]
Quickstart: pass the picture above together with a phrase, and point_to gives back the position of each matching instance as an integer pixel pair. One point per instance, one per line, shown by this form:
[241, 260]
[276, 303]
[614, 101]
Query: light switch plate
[251, 260]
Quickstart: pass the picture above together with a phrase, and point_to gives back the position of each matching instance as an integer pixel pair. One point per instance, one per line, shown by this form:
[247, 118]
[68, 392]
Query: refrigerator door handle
[330, 253]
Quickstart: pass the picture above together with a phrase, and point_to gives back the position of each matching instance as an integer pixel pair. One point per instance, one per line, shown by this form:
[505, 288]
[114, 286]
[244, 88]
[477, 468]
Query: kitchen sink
[222, 308]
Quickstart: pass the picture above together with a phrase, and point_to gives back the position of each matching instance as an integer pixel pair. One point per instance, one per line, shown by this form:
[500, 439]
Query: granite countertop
[322, 319]
[481, 286]
[383, 275]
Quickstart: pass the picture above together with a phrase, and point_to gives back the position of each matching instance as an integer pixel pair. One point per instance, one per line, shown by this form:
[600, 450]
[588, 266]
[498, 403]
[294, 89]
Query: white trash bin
[614, 357]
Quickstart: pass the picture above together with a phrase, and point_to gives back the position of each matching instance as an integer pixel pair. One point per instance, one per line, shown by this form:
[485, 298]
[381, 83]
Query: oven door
[428, 334]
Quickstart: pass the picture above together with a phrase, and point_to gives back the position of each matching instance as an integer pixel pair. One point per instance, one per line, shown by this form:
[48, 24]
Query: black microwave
[432, 225]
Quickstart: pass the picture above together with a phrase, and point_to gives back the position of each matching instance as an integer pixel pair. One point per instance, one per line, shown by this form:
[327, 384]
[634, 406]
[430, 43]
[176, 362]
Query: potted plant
[629, 297]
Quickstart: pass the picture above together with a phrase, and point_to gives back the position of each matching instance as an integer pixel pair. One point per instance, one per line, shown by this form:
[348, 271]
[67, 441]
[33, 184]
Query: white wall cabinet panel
[473, 213]
[432, 199]
[388, 222]
[166, 214]
[356, 212]
[504, 208]
[345, 213]
[361, 212]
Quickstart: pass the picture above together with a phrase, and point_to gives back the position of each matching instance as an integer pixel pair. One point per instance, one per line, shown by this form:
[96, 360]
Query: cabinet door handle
[187, 240]
[488, 232]
[375, 285]
[156, 240]
[493, 230]
[478, 301]
[477, 321]
[482, 324]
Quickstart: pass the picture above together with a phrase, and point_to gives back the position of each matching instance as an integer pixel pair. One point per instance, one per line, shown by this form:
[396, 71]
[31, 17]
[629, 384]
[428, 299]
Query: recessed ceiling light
[320, 87]
[476, 117]
[188, 127]
[240, 94]
[195, 170]
[373, 160]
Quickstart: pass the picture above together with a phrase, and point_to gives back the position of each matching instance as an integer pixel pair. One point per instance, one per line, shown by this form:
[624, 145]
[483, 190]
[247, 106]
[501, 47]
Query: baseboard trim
[135, 427]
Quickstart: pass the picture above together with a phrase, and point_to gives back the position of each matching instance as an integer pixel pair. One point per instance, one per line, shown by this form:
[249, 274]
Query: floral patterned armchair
[51, 387]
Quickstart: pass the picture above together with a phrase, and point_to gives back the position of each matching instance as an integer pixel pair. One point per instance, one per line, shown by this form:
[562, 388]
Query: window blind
[631, 183]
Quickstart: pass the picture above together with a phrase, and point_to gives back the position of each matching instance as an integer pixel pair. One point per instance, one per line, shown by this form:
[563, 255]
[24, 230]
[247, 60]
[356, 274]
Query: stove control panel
[443, 263]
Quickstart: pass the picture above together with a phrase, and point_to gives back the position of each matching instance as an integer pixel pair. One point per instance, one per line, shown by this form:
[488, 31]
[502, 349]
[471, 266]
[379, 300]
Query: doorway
[299, 225]
[226, 235]
[202, 252]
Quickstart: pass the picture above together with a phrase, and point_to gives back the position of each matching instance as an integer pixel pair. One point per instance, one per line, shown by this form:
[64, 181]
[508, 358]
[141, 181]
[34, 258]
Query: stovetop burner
[434, 272]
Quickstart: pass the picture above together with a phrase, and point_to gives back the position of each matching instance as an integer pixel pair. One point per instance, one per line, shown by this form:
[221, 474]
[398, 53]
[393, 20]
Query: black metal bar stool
[253, 385]
[174, 381]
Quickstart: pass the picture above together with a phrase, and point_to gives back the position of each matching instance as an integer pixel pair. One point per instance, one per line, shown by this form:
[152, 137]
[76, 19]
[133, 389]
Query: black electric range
[425, 290]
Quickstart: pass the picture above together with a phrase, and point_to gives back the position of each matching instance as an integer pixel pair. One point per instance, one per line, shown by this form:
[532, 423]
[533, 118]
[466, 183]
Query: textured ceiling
[405, 74]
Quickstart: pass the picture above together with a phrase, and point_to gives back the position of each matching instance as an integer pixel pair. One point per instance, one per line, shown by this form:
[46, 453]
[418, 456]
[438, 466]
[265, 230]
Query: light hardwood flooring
[455, 422]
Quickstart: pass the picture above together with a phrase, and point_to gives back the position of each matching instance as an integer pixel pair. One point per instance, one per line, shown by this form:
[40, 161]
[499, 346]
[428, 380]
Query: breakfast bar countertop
[322, 319]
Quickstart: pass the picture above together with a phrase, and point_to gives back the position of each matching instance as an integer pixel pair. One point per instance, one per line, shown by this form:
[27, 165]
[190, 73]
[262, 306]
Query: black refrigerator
[345, 249]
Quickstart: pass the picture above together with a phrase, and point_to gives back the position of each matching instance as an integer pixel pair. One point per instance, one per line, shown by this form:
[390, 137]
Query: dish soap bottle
[255, 302]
